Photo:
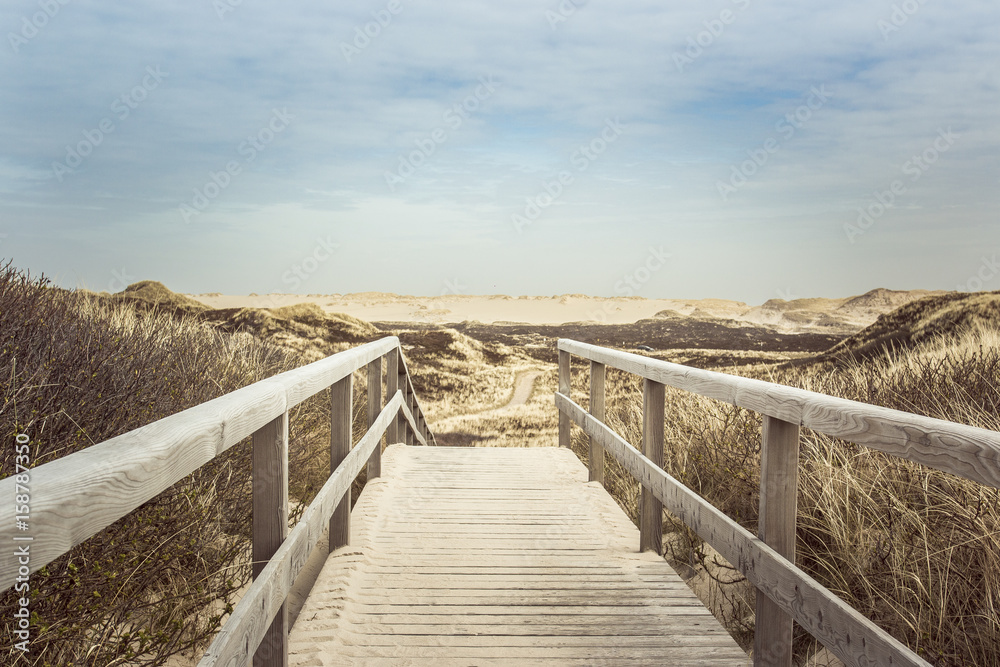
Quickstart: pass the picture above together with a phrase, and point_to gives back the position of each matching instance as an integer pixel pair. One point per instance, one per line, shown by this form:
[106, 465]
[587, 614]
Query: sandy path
[524, 385]
[455, 430]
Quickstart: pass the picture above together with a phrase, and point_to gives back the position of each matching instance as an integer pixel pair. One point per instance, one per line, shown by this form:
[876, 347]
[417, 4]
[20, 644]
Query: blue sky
[771, 149]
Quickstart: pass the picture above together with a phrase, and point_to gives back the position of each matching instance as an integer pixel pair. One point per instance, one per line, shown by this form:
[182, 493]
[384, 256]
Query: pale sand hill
[799, 314]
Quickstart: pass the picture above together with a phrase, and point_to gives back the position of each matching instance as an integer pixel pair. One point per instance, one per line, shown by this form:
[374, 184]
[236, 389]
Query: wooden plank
[374, 407]
[270, 525]
[847, 633]
[77, 496]
[410, 590]
[565, 384]
[597, 397]
[392, 386]
[967, 451]
[306, 381]
[419, 421]
[650, 507]
[412, 431]
[243, 632]
[407, 416]
[404, 387]
[412, 427]
[341, 415]
[779, 479]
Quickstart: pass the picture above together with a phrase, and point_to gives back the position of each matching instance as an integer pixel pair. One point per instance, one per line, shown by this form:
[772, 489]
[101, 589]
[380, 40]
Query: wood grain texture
[77, 496]
[844, 631]
[967, 451]
[418, 413]
[374, 407]
[779, 483]
[392, 386]
[499, 556]
[598, 375]
[243, 632]
[341, 415]
[565, 384]
[407, 416]
[650, 507]
[270, 525]
[302, 383]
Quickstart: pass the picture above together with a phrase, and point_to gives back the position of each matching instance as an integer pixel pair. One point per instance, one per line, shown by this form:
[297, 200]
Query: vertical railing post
[779, 477]
[564, 389]
[341, 415]
[597, 375]
[374, 408]
[650, 507]
[392, 386]
[270, 526]
[410, 439]
[404, 387]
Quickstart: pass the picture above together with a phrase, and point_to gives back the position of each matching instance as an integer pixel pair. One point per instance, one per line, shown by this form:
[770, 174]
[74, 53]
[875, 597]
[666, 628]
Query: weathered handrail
[241, 636]
[75, 497]
[784, 591]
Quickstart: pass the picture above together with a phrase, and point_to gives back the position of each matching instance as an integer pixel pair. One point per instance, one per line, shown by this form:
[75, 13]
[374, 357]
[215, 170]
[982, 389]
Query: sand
[800, 314]
[381, 307]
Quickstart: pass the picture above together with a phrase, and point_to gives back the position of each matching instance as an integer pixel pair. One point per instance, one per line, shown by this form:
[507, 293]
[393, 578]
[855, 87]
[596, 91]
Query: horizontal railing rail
[785, 592]
[246, 628]
[77, 496]
[966, 451]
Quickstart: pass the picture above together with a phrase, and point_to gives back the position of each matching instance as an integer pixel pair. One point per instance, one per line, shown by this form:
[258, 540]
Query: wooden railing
[75, 497]
[784, 592]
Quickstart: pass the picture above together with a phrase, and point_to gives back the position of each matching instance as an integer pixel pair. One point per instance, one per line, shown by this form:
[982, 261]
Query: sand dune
[801, 314]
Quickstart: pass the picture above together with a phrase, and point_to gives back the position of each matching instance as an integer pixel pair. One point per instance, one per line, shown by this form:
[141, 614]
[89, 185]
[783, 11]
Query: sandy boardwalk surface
[473, 556]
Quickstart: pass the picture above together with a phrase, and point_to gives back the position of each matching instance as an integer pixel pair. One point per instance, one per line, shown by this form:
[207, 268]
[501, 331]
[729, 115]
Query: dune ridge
[832, 315]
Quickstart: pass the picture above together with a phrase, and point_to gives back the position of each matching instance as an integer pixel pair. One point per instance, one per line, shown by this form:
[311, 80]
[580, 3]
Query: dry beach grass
[916, 550]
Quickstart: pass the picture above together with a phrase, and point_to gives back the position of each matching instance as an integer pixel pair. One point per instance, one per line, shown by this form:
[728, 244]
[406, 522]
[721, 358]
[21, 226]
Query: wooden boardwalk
[469, 556]
[507, 556]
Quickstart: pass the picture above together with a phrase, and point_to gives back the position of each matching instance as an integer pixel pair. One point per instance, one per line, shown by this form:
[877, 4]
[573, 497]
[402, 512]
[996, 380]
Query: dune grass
[916, 550]
[80, 369]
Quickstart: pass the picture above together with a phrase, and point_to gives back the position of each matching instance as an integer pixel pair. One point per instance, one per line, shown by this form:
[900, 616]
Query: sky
[738, 149]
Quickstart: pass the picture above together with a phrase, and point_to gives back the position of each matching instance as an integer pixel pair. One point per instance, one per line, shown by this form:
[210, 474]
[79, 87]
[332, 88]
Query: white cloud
[557, 87]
